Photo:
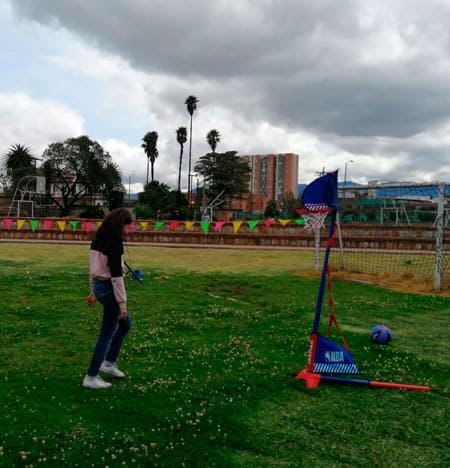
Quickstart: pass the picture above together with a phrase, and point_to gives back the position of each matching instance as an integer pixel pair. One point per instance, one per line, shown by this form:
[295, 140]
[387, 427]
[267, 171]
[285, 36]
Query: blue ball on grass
[380, 334]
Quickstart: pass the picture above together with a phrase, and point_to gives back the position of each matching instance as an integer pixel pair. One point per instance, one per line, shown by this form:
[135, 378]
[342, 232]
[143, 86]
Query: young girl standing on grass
[108, 287]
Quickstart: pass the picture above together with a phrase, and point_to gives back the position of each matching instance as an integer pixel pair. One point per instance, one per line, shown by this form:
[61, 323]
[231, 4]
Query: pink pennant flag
[8, 223]
[218, 225]
[48, 223]
[130, 227]
[173, 225]
[88, 226]
[268, 222]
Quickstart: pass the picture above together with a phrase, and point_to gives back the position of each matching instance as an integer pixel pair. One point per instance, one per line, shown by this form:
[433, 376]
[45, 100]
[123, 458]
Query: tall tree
[78, 169]
[191, 105]
[150, 140]
[157, 199]
[18, 162]
[181, 138]
[225, 173]
[213, 137]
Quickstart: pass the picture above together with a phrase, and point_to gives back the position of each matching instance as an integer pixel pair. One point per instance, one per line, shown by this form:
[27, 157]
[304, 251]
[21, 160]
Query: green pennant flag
[34, 224]
[205, 226]
[300, 221]
[74, 224]
[159, 224]
[252, 224]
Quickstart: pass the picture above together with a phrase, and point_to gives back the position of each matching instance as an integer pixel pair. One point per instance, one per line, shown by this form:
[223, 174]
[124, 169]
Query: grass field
[217, 337]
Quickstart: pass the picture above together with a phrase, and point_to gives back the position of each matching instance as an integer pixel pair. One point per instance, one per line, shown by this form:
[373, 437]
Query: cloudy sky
[339, 82]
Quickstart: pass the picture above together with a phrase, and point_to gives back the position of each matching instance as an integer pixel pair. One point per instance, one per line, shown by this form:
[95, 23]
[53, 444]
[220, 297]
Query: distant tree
[181, 138]
[157, 198]
[271, 210]
[191, 106]
[213, 138]
[289, 204]
[150, 139]
[79, 169]
[224, 172]
[17, 163]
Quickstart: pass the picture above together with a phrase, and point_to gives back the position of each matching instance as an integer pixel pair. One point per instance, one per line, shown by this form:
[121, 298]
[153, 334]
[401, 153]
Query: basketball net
[314, 221]
[314, 216]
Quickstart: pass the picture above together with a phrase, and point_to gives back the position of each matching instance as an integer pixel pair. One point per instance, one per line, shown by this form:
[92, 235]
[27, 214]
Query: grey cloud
[339, 69]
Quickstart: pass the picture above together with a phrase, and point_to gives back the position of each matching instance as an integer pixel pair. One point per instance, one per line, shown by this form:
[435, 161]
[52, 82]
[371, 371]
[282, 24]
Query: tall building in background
[272, 177]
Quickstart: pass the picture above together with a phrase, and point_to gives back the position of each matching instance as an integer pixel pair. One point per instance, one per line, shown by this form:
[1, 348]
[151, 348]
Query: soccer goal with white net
[393, 233]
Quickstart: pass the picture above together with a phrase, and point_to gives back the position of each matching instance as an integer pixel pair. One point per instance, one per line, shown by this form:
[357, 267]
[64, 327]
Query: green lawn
[217, 338]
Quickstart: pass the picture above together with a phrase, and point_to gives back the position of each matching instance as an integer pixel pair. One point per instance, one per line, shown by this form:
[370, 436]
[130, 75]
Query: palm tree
[18, 162]
[181, 138]
[150, 149]
[191, 105]
[213, 138]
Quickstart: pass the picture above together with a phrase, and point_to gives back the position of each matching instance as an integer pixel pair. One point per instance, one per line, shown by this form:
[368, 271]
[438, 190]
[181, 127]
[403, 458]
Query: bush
[95, 212]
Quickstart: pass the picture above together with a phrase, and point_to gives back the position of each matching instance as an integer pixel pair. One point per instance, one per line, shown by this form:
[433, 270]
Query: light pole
[129, 188]
[191, 176]
[345, 171]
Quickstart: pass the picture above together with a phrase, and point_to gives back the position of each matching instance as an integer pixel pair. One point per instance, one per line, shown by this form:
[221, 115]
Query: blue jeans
[112, 332]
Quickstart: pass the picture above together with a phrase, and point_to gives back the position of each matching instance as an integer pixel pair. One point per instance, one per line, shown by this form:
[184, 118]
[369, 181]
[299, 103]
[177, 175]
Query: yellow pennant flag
[236, 226]
[20, 223]
[143, 225]
[61, 225]
[283, 222]
[188, 225]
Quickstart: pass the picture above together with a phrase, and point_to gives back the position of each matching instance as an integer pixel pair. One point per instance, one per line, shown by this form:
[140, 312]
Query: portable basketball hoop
[328, 360]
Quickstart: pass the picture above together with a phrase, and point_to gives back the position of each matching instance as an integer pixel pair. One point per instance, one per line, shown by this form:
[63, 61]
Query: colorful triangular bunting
[205, 226]
[252, 224]
[283, 222]
[88, 226]
[61, 225]
[236, 226]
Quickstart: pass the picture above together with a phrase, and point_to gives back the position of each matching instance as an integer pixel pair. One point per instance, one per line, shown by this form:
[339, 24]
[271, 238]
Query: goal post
[395, 232]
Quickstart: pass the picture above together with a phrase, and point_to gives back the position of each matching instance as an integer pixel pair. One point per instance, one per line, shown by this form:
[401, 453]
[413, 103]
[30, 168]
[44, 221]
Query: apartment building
[272, 177]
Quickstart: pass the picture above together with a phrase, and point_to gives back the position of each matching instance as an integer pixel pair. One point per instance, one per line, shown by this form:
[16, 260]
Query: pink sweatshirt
[106, 263]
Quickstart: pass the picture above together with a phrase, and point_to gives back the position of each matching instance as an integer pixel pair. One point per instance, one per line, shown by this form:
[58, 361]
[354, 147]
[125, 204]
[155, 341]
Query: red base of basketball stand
[313, 380]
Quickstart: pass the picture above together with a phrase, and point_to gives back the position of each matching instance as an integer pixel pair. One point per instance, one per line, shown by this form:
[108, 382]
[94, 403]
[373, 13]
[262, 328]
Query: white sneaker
[111, 369]
[95, 382]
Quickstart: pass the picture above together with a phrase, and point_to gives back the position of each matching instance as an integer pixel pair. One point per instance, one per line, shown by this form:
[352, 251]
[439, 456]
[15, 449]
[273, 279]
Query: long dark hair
[113, 224]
